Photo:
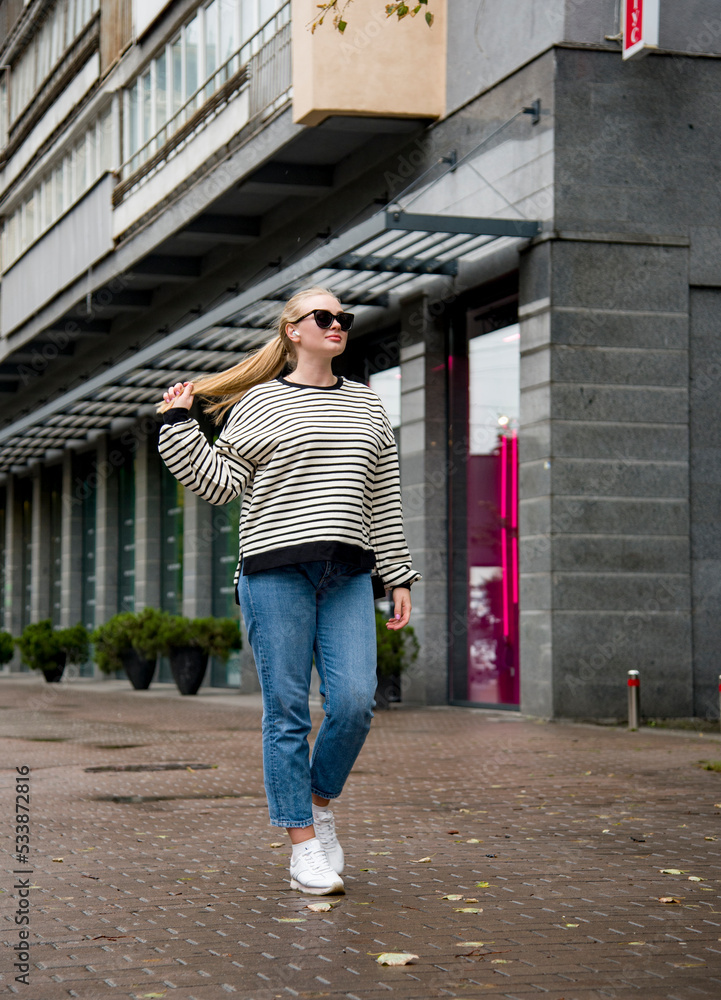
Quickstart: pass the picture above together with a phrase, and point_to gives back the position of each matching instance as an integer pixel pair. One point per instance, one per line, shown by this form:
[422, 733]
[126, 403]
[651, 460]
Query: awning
[387, 254]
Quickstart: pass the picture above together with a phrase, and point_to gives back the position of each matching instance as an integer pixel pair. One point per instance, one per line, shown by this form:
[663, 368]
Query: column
[197, 556]
[71, 545]
[424, 478]
[13, 559]
[106, 534]
[605, 560]
[147, 517]
[40, 596]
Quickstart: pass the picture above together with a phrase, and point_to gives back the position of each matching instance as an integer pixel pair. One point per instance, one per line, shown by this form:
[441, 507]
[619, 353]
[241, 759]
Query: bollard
[634, 689]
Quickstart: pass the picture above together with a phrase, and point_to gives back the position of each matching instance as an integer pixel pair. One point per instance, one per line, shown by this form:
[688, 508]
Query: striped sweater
[317, 468]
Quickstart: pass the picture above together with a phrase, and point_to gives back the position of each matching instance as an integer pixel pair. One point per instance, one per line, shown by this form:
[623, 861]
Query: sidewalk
[170, 883]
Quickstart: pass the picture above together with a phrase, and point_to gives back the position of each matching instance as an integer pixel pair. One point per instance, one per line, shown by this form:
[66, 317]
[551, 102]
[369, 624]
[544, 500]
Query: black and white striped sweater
[318, 471]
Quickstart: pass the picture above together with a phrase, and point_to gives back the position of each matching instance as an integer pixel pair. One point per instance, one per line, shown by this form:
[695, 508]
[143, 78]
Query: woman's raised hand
[180, 394]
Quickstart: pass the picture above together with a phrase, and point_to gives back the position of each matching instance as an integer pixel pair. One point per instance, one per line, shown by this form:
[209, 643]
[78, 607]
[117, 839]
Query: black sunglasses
[324, 319]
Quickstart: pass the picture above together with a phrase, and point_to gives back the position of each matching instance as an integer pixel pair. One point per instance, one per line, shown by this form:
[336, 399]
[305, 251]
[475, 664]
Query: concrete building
[528, 228]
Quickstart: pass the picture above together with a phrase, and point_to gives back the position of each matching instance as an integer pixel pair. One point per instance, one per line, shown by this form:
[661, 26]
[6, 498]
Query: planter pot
[139, 670]
[53, 675]
[188, 665]
[388, 691]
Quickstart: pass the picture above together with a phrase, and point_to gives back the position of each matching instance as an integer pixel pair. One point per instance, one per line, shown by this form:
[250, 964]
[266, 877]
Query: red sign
[640, 27]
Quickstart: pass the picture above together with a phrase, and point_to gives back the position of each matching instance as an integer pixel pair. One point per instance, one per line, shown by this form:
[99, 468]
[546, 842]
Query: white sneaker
[310, 871]
[324, 823]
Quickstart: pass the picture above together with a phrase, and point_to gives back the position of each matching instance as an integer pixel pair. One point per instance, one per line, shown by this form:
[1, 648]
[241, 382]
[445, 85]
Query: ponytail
[261, 365]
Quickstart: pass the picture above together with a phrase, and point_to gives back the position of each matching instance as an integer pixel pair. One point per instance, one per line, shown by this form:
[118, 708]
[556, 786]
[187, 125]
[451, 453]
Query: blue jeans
[291, 613]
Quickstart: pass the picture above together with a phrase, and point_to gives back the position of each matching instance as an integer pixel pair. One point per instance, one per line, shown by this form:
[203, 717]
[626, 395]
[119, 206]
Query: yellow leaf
[471, 944]
[58, 859]
[482, 885]
[319, 907]
[276, 843]
[421, 861]
[474, 840]
[671, 871]
[455, 896]
[709, 838]
[500, 961]
[378, 854]
[470, 899]
[155, 994]
[467, 909]
[668, 899]
[395, 958]
[289, 920]
[694, 878]
[571, 925]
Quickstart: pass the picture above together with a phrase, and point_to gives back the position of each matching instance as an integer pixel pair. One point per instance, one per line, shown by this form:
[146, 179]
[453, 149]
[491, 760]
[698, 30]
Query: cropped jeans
[291, 613]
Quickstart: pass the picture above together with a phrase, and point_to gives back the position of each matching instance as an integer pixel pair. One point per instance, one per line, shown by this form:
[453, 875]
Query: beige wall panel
[378, 66]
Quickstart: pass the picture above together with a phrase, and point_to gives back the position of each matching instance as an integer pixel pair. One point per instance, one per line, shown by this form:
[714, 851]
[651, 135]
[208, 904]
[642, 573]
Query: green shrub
[125, 631]
[7, 647]
[216, 636]
[397, 648]
[40, 644]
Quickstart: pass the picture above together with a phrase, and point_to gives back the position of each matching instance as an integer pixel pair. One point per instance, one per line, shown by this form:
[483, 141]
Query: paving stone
[556, 834]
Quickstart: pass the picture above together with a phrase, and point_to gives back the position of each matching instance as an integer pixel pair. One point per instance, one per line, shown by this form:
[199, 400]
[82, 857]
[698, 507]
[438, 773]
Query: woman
[314, 458]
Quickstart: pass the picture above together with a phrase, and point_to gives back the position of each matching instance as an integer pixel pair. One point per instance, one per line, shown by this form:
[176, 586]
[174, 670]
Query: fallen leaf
[289, 920]
[632, 942]
[421, 861]
[470, 899]
[276, 843]
[467, 909]
[395, 958]
[453, 831]
[500, 961]
[571, 925]
[379, 854]
[471, 944]
[694, 878]
[687, 965]
[319, 907]
[455, 896]
[474, 840]
[58, 859]
[709, 838]
[482, 885]
[668, 899]
[155, 994]
[717, 805]
[671, 871]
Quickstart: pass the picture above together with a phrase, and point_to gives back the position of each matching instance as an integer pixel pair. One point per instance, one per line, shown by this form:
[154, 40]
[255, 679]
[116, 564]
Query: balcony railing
[262, 65]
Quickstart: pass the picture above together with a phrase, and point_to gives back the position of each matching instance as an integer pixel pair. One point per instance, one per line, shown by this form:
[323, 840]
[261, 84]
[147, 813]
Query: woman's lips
[335, 336]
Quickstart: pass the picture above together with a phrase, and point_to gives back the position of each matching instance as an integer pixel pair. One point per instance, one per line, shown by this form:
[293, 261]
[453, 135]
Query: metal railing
[262, 64]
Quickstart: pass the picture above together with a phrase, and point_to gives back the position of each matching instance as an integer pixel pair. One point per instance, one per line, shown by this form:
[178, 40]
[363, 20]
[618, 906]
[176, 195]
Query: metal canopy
[364, 266]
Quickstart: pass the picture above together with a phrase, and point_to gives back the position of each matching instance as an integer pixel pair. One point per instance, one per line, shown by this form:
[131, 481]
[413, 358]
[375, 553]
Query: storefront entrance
[485, 403]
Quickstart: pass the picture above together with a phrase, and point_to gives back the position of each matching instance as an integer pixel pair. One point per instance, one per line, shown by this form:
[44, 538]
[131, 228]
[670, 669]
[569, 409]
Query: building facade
[528, 228]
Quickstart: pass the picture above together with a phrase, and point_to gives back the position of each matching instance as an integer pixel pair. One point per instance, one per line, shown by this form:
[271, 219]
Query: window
[62, 185]
[57, 31]
[189, 70]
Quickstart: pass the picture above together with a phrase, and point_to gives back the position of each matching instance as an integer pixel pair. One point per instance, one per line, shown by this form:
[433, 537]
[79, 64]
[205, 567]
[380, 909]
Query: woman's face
[307, 336]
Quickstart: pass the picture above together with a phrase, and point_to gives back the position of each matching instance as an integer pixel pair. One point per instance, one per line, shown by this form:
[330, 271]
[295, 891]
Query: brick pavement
[169, 883]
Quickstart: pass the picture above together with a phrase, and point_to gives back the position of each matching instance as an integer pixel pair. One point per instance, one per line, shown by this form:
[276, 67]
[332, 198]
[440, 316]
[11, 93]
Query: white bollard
[634, 690]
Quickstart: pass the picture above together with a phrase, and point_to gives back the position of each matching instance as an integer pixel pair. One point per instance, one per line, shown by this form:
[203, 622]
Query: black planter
[139, 670]
[188, 665]
[388, 691]
[53, 675]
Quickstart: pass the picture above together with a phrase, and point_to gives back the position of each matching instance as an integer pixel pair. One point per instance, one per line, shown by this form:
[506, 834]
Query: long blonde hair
[261, 365]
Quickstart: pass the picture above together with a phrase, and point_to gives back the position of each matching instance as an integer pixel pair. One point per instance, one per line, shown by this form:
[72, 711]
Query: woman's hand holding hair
[401, 609]
[180, 394]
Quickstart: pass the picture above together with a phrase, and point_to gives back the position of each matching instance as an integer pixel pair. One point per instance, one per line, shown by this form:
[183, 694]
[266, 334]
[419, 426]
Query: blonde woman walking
[314, 458]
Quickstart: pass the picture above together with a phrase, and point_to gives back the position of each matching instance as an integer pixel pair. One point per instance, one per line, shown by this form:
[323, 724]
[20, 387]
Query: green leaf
[429, 19]
[342, 25]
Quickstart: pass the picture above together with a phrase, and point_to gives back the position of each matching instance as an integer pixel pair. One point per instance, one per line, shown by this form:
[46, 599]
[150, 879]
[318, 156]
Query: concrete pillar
[424, 482]
[197, 556]
[71, 545]
[604, 478]
[40, 597]
[147, 521]
[106, 535]
[13, 611]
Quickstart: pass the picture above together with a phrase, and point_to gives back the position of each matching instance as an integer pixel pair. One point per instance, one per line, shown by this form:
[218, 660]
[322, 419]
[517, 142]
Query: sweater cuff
[176, 415]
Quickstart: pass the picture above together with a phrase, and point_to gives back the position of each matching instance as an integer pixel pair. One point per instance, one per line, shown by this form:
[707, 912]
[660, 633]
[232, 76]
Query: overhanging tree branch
[337, 8]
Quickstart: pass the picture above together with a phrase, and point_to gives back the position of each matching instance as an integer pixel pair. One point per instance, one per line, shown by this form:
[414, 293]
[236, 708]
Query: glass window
[485, 660]
[133, 117]
[176, 51]
[224, 558]
[191, 58]
[126, 534]
[161, 100]
[146, 94]
[59, 191]
[26, 554]
[81, 167]
[212, 60]
[55, 487]
[228, 39]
